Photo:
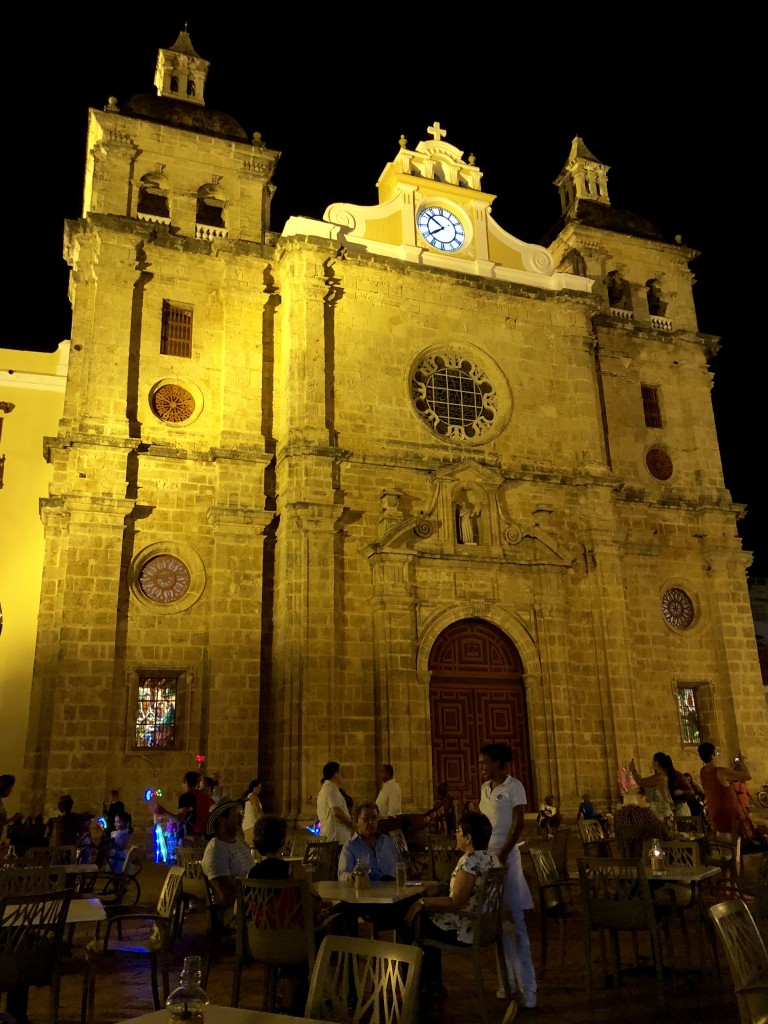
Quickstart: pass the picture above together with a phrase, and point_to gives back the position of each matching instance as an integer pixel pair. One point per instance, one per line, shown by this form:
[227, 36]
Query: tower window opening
[210, 212]
[688, 712]
[176, 330]
[174, 84]
[651, 406]
[156, 712]
[190, 87]
[152, 202]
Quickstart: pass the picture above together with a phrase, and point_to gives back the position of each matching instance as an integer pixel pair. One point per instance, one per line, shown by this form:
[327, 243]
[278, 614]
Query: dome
[184, 115]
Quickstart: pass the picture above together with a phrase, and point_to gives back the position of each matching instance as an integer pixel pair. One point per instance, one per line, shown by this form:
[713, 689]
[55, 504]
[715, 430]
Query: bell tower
[582, 177]
[180, 73]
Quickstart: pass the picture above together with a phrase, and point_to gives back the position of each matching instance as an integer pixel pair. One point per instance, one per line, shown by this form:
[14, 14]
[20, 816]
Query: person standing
[253, 810]
[186, 814]
[7, 782]
[332, 811]
[116, 806]
[503, 800]
[390, 798]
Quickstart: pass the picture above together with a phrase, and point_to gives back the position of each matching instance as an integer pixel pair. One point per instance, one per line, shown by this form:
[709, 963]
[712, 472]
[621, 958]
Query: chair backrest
[615, 893]
[692, 823]
[36, 878]
[324, 858]
[398, 838]
[168, 899]
[547, 875]
[443, 856]
[188, 857]
[38, 855]
[194, 877]
[681, 854]
[63, 855]
[591, 831]
[358, 980]
[559, 846]
[744, 948]
[274, 922]
[31, 937]
[485, 930]
[724, 849]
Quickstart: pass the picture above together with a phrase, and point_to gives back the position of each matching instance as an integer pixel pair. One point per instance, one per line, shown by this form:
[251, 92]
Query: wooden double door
[477, 696]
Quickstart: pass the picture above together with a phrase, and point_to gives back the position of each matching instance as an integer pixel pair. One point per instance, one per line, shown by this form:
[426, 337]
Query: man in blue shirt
[379, 853]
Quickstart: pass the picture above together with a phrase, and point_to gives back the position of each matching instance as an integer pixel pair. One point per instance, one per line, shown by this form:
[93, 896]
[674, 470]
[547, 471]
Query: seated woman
[440, 920]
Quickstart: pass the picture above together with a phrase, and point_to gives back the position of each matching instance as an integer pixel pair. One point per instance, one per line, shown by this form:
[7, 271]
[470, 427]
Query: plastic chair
[443, 857]
[593, 839]
[554, 904]
[486, 931]
[194, 883]
[63, 855]
[274, 926]
[324, 859]
[31, 942]
[616, 897]
[35, 878]
[357, 980]
[747, 958]
[162, 929]
[38, 856]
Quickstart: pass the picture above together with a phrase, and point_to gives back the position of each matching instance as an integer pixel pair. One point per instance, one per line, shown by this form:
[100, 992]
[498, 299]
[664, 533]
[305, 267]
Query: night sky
[333, 90]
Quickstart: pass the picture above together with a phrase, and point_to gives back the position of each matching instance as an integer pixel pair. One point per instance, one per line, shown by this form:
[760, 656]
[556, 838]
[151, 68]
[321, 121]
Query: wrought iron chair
[723, 850]
[747, 958]
[486, 931]
[364, 980]
[274, 926]
[31, 942]
[160, 925]
[554, 901]
[116, 889]
[616, 897]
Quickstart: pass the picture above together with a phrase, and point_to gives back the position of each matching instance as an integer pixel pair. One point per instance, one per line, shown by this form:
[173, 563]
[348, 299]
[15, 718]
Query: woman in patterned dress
[441, 921]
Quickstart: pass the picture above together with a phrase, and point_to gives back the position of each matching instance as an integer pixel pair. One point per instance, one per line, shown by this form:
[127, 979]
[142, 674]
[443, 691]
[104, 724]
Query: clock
[441, 228]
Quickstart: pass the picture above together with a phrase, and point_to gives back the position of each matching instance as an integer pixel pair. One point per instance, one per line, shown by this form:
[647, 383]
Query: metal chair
[616, 897]
[486, 931]
[324, 858]
[31, 942]
[38, 856]
[747, 958]
[116, 888]
[274, 926]
[161, 932]
[723, 850]
[554, 902]
[63, 855]
[443, 857]
[364, 980]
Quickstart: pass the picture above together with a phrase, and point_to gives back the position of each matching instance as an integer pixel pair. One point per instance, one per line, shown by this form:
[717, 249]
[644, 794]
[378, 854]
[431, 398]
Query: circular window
[167, 577]
[659, 463]
[677, 608]
[455, 396]
[173, 403]
[164, 579]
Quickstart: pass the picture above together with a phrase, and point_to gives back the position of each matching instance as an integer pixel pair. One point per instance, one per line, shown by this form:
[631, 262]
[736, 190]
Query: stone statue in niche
[656, 304]
[467, 531]
[618, 291]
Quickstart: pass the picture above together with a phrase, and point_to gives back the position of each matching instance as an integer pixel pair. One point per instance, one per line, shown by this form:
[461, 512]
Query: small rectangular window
[176, 330]
[688, 712]
[651, 407]
[156, 712]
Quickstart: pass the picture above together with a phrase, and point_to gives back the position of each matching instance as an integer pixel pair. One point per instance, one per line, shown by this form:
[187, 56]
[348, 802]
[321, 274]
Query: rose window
[659, 463]
[173, 403]
[454, 396]
[164, 579]
[677, 608]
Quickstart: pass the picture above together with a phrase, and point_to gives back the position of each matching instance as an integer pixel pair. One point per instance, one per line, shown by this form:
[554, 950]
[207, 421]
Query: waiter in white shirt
[332, 813]
[503, 800]
[390, 798]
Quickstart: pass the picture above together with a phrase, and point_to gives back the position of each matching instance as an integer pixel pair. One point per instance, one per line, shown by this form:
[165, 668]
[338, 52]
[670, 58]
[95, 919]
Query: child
[548, 818]
[587, 812]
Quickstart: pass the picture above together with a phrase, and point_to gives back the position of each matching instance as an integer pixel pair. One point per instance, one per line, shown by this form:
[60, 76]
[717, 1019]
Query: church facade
[377, 488]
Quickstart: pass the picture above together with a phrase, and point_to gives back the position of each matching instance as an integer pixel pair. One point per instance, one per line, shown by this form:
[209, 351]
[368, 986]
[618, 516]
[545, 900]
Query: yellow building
[380, 487]
[31, 402]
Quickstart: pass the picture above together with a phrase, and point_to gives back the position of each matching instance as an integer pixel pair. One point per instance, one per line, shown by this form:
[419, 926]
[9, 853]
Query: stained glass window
[689, 715]
[156, 712]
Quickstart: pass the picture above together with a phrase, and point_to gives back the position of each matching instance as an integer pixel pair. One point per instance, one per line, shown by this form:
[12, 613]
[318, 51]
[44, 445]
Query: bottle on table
[187, 1003]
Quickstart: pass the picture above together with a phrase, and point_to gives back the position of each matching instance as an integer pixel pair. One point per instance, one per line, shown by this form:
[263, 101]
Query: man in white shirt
[390, 798]
[503, 800]
[226, 856]
[332, 813]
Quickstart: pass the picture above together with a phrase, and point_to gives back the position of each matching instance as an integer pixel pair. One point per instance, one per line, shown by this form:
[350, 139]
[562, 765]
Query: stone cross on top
[436, 131]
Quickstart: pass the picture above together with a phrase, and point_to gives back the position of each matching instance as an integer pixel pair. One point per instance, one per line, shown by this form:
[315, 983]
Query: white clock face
[441, 228]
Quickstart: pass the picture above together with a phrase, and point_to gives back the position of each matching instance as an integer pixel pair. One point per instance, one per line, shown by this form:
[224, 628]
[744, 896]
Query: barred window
[156, 712]
[688, 712]
[651, 407]
[176, 330]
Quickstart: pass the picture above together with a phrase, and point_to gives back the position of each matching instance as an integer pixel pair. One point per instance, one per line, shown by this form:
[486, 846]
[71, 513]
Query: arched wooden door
[477, 696]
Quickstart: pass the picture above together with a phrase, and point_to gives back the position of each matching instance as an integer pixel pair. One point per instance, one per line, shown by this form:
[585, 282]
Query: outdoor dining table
[376, 893]
[226, 1015]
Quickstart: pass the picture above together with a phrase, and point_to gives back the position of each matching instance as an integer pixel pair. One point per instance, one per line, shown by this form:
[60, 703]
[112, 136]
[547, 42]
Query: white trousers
[517, 955]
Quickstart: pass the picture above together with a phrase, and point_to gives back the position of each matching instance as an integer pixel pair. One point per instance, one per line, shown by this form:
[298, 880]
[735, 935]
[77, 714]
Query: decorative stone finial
[256, 140]
[112, 105]
[403, 142]
[471, 159]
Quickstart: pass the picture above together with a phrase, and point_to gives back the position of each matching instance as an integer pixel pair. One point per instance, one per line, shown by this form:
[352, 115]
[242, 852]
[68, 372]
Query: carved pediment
[465, 516]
